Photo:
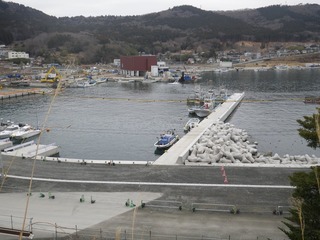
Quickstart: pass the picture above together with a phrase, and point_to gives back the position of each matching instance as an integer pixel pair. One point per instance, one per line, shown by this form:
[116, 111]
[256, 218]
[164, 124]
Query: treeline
[179, 28]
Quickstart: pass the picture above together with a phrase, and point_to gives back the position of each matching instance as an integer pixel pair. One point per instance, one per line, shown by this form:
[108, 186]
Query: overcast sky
[70, 8]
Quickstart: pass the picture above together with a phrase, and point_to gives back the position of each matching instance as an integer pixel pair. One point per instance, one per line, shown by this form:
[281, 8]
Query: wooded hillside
[101, 39]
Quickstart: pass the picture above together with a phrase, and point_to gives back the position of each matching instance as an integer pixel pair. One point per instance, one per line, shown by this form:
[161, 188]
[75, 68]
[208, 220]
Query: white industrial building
[12, 54]
[223, 64]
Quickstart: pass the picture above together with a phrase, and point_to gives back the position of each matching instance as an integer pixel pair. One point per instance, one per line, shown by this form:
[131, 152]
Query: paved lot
[255, 191]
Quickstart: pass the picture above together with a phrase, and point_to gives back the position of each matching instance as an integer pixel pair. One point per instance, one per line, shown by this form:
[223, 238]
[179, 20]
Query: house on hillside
[137, 66]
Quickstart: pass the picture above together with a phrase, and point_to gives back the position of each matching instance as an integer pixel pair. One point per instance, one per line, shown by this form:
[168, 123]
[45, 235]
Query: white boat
[166, 140]
[205, 109]
[208, 101]
[4, 125]
[202, 112]
[191, 110]
[85, 84]
[176, 82]
[192, 123]
[25, 132]
[101, 80]
[9, 131]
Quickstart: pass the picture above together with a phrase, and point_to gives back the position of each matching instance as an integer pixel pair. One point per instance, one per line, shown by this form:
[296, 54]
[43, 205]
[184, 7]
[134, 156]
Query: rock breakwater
[224, 143]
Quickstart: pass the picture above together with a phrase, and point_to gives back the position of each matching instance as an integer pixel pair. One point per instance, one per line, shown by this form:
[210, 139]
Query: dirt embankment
[297, 60]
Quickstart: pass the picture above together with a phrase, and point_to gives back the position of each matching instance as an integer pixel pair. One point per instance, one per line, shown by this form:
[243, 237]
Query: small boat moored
[84, 83]
[209, 102]
[25, 132]
[101, 80]
[4, 125]
[166, 140]
[192, 123]
[9, 130]
[205, 109]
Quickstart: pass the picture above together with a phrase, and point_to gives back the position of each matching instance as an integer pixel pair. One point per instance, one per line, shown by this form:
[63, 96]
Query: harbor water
[121, 121]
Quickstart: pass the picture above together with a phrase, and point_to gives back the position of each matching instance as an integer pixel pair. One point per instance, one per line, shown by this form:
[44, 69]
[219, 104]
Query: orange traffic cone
[225, 180]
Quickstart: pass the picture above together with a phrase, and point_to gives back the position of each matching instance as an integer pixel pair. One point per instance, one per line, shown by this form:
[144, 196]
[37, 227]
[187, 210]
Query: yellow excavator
[52, 76]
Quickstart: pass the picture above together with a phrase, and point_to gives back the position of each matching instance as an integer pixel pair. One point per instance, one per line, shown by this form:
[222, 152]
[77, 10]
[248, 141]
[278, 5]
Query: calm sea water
[121, 121]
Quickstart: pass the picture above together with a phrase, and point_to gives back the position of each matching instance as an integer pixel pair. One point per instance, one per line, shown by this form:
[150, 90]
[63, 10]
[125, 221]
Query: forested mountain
[100, 39]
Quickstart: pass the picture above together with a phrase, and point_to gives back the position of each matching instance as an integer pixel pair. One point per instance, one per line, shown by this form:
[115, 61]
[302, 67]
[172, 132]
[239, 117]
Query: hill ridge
[184, 27]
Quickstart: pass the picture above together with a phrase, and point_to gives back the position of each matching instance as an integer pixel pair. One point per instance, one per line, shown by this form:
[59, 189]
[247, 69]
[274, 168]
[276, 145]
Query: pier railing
[11, 224]
[59, 232]
[22, 145]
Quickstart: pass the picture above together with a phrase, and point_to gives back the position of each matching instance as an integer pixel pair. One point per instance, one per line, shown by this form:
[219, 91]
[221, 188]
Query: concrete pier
[29, 150]
[5, 143]
[180, 150]
[14, 93]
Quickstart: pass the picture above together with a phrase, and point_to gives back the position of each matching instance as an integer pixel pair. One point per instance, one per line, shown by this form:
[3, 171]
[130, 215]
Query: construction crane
[52, 76]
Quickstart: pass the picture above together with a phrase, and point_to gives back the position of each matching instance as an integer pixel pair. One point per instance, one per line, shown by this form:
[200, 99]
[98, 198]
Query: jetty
[5, 143]
[15, 93]
[178, 153]
[30, 150]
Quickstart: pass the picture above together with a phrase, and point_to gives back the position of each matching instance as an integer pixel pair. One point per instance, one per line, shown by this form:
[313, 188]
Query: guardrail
[162, 204]
[215, 207]
[10, 226]
[18, 146]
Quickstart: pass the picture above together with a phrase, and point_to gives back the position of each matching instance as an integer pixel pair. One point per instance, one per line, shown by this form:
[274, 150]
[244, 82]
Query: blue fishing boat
[166, 140]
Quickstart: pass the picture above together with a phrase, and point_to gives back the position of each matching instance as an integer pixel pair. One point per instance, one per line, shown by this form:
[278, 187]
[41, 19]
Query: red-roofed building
[137, 65]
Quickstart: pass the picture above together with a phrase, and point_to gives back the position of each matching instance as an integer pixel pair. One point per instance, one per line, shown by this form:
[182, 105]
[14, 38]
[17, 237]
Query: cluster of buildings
[6, 53]
[250, 52]
[274, 52]
[138, 66]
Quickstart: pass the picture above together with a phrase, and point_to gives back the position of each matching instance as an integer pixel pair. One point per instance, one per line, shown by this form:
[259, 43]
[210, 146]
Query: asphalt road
[256, 192]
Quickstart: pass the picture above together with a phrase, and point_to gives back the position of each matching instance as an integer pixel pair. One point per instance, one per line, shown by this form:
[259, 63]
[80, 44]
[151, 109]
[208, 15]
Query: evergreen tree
[304, 221]
[310, 129]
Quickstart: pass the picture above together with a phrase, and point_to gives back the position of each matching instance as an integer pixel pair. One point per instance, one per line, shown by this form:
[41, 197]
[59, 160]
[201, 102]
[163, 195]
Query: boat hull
[5, 135]
[202, 112]
[25, 135]
[166, 140]
[166, 146]
[192, 123]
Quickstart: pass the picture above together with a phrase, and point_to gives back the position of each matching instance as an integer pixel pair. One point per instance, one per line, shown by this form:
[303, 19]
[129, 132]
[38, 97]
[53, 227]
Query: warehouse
[137, 66]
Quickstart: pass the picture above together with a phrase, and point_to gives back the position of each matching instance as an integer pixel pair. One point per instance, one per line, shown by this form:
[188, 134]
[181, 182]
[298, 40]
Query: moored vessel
[192, 123]
[25, 132]
[166, 140]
